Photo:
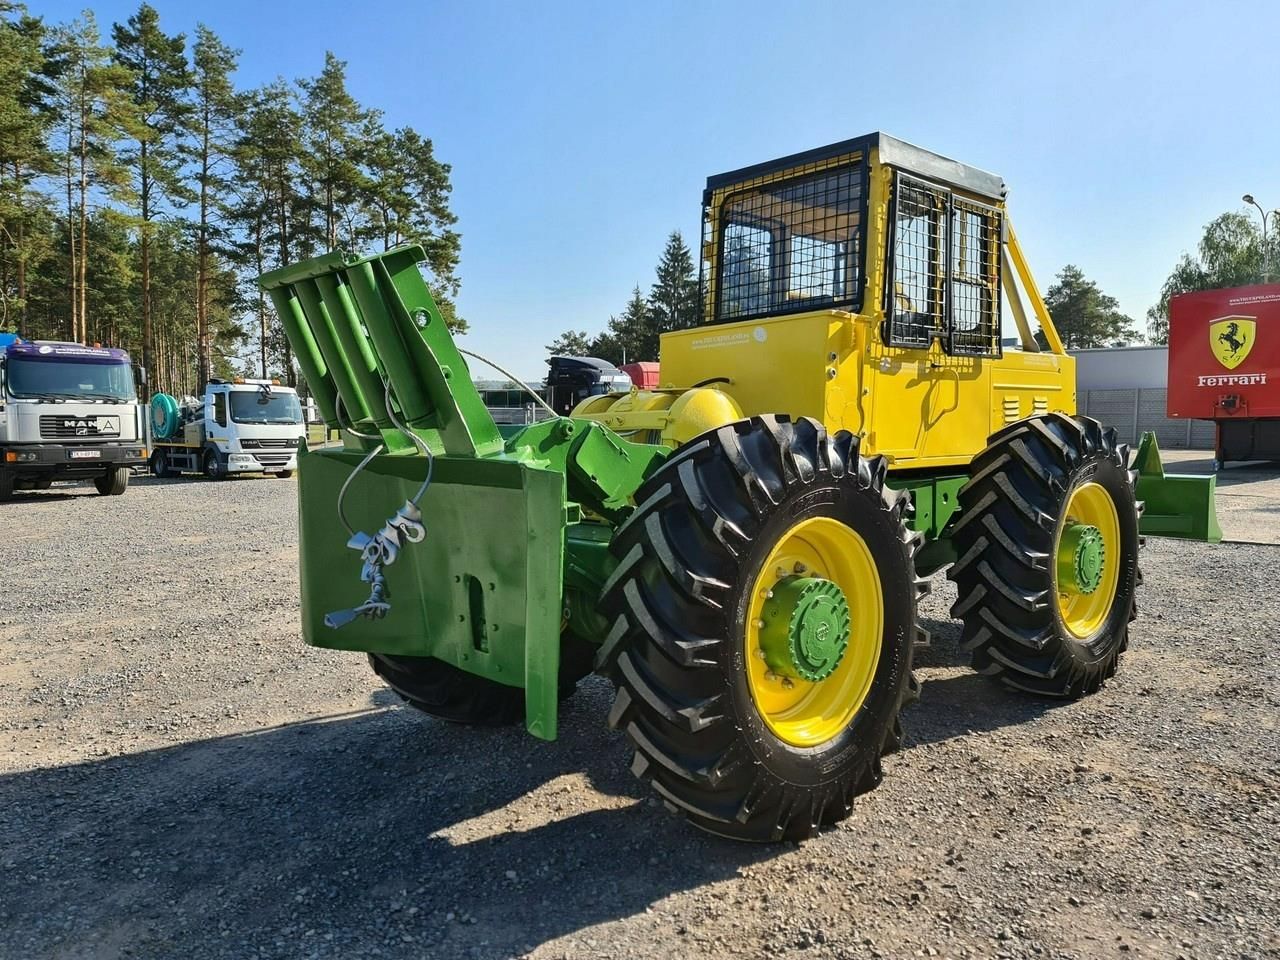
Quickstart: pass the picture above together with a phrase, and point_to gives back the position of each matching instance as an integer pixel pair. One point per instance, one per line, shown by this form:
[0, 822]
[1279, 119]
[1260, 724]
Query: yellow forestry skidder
[741, 551]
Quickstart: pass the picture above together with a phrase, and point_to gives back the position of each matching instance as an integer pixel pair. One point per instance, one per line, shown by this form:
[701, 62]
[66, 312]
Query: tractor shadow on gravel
[332, 837]
[377, 829]
[965, 703]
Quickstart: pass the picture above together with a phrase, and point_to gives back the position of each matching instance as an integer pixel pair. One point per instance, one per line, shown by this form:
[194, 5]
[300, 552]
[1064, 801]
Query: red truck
[1224, 366]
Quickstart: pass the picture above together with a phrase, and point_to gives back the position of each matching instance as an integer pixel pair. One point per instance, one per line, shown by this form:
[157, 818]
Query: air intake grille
[56, 427]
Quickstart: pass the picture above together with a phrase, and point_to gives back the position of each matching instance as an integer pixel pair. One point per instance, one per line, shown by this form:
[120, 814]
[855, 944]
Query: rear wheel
[112, 483]
[160, 465]
[284, 474]
[763, 616]
[1048, 556]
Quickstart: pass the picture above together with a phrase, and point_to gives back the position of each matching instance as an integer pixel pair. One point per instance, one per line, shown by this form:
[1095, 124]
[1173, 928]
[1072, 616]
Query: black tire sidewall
[1114, 478]
[861, 741]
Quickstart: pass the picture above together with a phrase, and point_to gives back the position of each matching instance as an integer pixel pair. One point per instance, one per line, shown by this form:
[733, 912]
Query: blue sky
[580, 134]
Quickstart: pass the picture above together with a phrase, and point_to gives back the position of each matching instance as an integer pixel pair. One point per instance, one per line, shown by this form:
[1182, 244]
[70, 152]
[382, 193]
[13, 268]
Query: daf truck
[67, 412]
[240, 426]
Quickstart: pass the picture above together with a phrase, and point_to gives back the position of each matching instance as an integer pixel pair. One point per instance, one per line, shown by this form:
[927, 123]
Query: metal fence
[529, 413]
[1134, 411]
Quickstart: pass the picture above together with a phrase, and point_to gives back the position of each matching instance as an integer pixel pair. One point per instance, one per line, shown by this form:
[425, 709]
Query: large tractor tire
[763, 619]
[1047, 548]
[445, 692]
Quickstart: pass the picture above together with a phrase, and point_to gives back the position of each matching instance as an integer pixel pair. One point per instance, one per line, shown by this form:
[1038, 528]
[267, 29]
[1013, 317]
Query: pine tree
[633, 334]
[1083, 315]
[331, 162]
[673, 300]
[26, 116]
[92, 111]
[571, 343]
[159, 84]
[269, 201]
[216, 108]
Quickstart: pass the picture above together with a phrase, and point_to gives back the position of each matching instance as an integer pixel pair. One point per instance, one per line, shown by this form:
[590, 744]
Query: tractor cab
[864, 281]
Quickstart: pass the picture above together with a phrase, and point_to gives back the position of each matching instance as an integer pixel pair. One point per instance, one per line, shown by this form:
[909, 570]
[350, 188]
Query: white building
[1126, 388]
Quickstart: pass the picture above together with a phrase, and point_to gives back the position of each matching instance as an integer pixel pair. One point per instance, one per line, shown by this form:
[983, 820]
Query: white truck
[67, 412]
[240, 426]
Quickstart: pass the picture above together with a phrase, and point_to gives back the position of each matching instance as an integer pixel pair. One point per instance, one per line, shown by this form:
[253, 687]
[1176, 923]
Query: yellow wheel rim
[1087, 554]
[822, 552]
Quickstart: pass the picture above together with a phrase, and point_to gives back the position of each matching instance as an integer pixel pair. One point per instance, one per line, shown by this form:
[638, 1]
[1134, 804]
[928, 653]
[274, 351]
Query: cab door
[941, 328]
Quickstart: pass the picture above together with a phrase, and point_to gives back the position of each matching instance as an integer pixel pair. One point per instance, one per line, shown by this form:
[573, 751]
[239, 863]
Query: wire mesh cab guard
[942, 271]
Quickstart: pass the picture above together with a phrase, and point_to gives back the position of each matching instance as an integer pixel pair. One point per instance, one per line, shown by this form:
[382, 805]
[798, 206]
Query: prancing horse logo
[1231, 339]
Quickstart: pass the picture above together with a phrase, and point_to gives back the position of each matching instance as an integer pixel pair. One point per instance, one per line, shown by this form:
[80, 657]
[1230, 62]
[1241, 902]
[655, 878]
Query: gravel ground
[181, 777]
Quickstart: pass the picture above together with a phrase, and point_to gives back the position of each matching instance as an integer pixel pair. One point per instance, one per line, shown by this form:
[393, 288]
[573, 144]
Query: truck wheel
[1047, 543]
[284, 474]
[43, 483]
[443, 691]
[213, 468]
[6, 485]
[114, 482]
[764, 614]
[160, 465]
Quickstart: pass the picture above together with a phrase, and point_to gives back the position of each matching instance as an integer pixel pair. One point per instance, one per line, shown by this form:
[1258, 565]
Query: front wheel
[284, 474]
[6, 485]
[1047, 543]
[213, 466]
[112, 483]
[764, 614]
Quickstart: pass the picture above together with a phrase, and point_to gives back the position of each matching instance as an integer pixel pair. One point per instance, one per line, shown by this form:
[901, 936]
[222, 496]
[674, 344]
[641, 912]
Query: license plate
[85, 454]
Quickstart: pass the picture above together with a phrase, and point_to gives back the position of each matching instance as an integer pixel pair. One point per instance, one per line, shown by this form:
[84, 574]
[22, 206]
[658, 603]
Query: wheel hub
[806, 628]
[1082, 558]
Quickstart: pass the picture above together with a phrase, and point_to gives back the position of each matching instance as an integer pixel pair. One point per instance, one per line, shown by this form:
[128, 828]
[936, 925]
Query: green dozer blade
[1176, 505]
[427, 534]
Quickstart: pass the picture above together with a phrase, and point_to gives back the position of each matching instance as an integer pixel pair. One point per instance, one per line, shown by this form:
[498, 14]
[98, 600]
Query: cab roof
[892, 151]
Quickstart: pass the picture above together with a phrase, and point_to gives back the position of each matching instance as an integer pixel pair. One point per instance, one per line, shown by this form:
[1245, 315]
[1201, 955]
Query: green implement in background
[1174, 505]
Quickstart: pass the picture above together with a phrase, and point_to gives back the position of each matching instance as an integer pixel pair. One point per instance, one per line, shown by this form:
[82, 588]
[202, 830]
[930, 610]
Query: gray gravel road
[181, 777]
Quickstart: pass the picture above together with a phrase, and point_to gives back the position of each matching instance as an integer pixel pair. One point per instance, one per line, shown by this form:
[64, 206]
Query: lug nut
[800, 567]
[760, 652]
[770, 675]
[787, 683]
[759, 624]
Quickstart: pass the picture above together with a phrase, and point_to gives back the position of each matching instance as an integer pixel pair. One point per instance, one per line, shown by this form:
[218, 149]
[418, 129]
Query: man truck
[67, 412]
[241, 426]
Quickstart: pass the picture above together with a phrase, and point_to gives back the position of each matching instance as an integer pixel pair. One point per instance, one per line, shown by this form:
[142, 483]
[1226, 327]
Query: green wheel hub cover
[1082, 556]
[806, 628]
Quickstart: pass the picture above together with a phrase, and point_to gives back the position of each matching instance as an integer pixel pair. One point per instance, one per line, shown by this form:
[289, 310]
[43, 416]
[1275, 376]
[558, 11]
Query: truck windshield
[261, 407]
[70, 380]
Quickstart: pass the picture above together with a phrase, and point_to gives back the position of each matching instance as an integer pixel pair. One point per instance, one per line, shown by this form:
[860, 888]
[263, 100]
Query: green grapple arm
[425, 533]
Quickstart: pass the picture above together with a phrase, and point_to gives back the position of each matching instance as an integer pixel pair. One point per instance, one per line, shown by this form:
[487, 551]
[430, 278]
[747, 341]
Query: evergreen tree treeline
[674, 302]
[142, 192]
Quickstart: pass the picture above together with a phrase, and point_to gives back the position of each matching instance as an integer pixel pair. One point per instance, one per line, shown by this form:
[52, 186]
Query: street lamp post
[1248, 198]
